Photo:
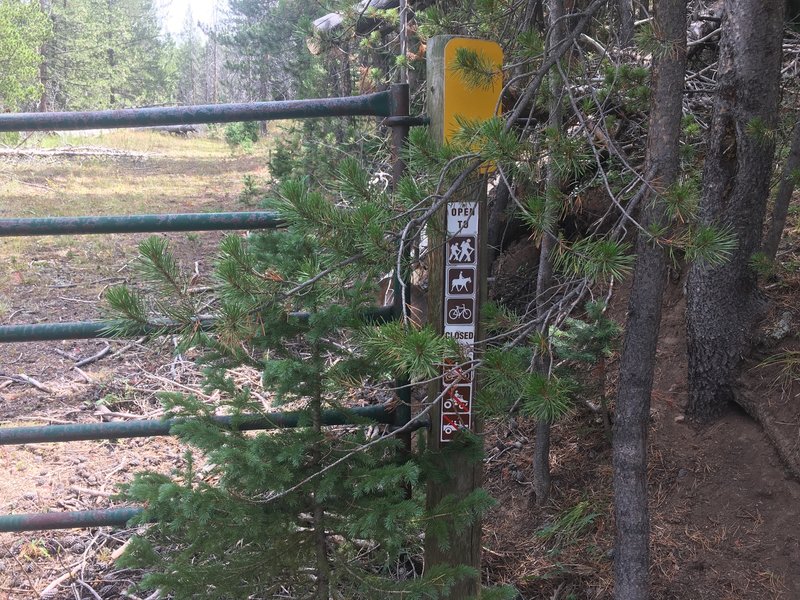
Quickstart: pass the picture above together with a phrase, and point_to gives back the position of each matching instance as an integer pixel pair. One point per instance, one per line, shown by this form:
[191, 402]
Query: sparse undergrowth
[567, 547]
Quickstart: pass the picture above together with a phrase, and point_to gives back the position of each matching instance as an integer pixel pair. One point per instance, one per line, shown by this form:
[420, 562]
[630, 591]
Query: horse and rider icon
[461, 250]
[461, 280]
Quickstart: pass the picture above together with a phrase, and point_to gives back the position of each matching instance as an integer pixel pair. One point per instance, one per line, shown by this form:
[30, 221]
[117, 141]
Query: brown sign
[457, 399]
[461, 281]
[460, 311]
[461, 250]
[453, 423]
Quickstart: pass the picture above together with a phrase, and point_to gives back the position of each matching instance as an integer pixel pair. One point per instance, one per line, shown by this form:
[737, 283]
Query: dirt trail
[725, 513]
[732, 498]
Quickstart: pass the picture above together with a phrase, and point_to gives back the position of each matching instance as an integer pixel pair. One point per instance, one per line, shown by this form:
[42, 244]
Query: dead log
[71, 152]
[332, 21]
[181, 130]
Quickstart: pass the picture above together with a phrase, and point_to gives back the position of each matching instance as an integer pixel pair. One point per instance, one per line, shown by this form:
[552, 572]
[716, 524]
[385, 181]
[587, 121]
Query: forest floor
[724, 505]
[726, 515]
[53, 279]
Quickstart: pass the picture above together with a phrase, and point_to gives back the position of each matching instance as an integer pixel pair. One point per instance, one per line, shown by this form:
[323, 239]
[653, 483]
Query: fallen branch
[89, 589]
[84, 375]
[94, 357]
[71, 152]
[106, 413]
[127, 347]
[66, 354]
[88, 492]
[106, 351]
[196, 391]
[22, 378]
[120, 551]
[52, 588]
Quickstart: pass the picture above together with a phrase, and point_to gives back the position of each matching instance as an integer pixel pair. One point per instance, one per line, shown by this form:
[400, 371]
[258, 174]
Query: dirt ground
[63, 279]
[725, 511]
[726, 515]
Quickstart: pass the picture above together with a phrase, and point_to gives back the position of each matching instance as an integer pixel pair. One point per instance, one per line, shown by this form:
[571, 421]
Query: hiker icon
[462, 250]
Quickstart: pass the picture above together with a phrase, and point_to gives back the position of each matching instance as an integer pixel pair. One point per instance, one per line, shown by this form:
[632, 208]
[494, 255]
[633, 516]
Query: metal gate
[392, 104]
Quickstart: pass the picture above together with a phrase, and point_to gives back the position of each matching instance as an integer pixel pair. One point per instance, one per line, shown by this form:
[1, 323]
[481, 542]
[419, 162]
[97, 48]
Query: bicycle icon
[460, 313]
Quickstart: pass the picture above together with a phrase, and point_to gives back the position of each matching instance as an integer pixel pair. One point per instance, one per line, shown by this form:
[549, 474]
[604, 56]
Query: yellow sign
[464, 99]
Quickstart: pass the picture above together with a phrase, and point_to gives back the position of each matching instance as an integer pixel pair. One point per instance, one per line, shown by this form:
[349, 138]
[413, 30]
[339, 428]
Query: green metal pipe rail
[77, 330]
[139, 223]
[157, 427]
[377, 105]
[95, 431]
[391, 104]
[90, 330]
[116, 517]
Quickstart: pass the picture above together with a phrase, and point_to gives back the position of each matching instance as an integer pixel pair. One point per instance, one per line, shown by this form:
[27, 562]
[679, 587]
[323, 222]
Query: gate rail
[139, 223]
[392, 104]
[379, 104]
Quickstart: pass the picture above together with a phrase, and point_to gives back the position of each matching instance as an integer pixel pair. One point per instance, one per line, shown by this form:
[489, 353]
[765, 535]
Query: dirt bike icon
[456, 402]
[460, 312]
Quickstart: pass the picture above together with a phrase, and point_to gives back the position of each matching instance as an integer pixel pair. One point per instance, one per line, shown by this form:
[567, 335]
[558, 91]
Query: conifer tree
[320, 513]
[107, 54]
[23, 28]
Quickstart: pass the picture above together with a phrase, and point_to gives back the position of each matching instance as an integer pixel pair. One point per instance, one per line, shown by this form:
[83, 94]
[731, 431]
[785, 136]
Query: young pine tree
[309, 511]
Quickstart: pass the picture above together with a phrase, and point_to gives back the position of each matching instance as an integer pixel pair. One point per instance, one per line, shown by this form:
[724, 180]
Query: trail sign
[465, 102]
[460, 311]
[457, 290]
[463, 274]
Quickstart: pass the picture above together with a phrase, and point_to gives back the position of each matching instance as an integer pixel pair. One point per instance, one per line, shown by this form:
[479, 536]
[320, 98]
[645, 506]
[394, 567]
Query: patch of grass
[193, 174]
[33, 550]
[569, 526]
[145, 140]
[788, 364]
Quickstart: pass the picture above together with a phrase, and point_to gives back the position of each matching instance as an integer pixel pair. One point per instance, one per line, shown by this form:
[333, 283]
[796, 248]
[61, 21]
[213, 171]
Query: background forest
[643, 240]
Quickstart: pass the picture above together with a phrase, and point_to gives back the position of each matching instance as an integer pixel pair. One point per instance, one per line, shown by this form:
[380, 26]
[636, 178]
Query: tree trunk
[45, 53]
[784, 195]
[722, 301]
[498, 220]
[625, 22]
[631, 550]
[544, 278]
[323, 567]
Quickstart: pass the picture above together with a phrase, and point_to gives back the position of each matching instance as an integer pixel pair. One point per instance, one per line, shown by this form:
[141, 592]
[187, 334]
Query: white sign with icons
[460, 313]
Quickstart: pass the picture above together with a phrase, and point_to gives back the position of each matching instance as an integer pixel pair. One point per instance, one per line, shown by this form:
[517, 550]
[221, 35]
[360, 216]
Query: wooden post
[457, 290]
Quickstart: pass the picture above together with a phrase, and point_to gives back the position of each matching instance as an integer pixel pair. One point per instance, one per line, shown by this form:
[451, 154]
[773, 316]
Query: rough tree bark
[624, 9]
[631, 550]
[784, 195]
[45, 52]
[723, 301]
[544, 278]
